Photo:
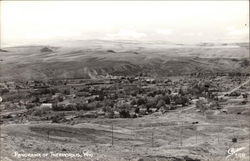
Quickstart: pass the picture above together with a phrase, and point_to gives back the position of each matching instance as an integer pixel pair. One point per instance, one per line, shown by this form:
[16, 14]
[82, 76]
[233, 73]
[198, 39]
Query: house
[46, 105]
[151, 80]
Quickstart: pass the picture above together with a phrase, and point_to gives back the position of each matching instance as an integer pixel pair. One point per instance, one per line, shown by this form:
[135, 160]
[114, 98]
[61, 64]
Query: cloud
[193, 34]
[164, 31]
[126, 34]
[234, 31]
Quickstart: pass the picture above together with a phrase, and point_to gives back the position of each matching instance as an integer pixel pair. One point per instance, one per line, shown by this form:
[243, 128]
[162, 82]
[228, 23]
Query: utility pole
[112, 134]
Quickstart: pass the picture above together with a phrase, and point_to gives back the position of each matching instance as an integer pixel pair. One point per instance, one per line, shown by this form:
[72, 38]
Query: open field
[154, 137]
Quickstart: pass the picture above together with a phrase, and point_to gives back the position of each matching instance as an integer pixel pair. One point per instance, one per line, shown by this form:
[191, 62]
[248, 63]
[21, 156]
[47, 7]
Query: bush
[245, 62]
[124, 110]
[82, 106]
[166, 98]
[235, 93]
[160, 104]
[35, 100]
[40, 111]
[93, 105]
[108, 102]
[124, 114]
[66, 92]
[201, 105]
[137, 110]
[151, 103]
[30, 105]
[58, 118]
[125, 106]
[197, 89]
[3, 91]
[141, 101]
[62, 107]
[133, 102]
[180, 100]
[107, 109]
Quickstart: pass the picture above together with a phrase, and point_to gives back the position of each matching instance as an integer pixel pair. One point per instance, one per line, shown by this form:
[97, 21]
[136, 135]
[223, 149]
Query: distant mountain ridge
[88, 59]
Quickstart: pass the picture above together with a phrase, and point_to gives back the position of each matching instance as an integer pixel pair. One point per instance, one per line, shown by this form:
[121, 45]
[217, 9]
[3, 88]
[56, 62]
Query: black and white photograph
[135, 80]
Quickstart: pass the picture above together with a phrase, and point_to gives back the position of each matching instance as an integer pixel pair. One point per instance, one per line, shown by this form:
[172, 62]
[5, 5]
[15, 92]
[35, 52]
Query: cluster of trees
[76, 106]
[198, 88]
[158, 102]
[45, 91]
[3, 91]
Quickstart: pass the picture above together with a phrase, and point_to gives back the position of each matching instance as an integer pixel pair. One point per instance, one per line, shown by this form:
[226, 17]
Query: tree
[141, 101]
[180, 100]
[166, 98]
[201, 105]
[66, 92]
[181, 92]
[124, 110]
[151, 103]
[82, 106]
[137, 110]
[160, 104]
[124, 114]
[58, 118]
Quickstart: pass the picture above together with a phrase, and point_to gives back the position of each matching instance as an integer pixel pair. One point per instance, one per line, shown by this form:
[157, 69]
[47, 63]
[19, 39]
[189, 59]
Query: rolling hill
[75, 59]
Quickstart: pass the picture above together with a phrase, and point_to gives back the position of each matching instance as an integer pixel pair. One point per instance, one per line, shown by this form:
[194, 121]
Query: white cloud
[126, 34]
[164, 31]
[234, 31]
[27, 21]
[193, 34]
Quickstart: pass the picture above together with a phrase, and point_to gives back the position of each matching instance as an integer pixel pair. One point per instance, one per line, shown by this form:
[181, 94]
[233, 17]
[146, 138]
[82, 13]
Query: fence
[169, 135]
[174, 135]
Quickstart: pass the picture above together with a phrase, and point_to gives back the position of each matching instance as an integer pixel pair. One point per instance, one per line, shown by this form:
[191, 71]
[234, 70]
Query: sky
[38, 22]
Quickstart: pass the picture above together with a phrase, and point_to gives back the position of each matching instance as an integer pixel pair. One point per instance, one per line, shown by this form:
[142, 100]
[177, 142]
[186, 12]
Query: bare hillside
[84, 58]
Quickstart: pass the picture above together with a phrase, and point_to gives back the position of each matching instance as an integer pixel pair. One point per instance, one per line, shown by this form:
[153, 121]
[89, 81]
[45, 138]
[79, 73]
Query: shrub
[58, 118]
[134, 93]
[108, 102]
[110, 114]
[35, 100]
[133, 102]
[62, 107]
[66, 92]
[111, 51]
[30, 105]
[201, 105]
[82, 106]
[124, 110]
[141, 101]
[137, 110]
[70, 107]
[166, 98]
[40, 111]
[3, 91]
[124, 114]
[151, 103]
[235, 93]
[160, 104]
[245, 62]
[180, 100]
[107, 109]
[93, 105]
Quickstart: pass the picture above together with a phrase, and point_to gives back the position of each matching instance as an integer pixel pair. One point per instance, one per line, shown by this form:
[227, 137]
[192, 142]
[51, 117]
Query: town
[71, 100]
